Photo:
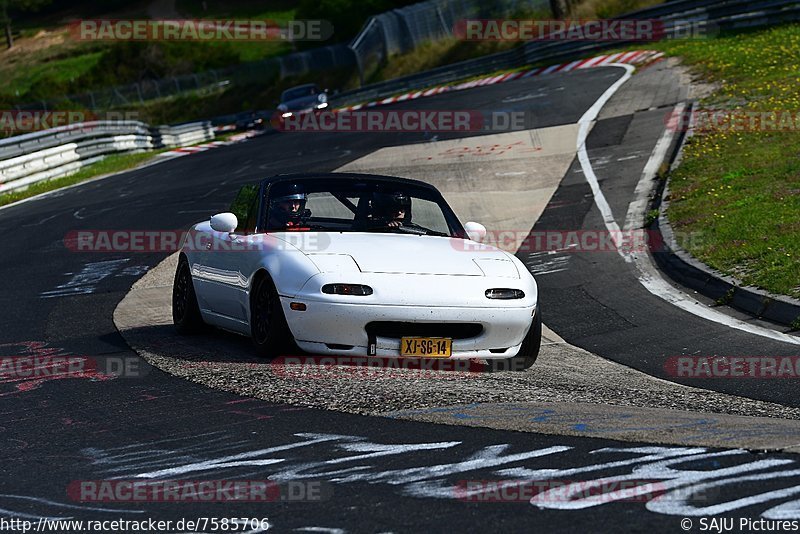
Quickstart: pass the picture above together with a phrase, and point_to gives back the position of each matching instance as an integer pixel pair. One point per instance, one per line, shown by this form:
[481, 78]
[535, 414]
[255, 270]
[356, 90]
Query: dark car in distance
[302, 99]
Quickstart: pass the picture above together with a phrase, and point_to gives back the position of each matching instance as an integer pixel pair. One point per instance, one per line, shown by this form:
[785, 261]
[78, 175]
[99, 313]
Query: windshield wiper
[409, 228]
[416, 228]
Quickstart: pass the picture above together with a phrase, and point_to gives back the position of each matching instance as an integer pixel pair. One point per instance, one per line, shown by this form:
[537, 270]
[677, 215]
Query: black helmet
[288, 194]
[292, 192]
[388, 204]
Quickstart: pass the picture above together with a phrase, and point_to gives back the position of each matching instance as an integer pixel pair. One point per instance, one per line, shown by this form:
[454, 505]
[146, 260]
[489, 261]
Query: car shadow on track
[221, 347]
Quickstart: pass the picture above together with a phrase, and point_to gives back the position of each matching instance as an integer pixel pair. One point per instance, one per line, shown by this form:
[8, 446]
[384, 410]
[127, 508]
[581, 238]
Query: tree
[14, 7]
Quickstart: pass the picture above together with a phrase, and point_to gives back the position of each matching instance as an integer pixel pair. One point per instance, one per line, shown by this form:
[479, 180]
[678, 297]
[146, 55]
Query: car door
[230, 258]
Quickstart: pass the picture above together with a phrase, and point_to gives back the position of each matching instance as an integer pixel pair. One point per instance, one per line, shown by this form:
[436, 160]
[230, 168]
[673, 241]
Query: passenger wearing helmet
[288, 209]
[391, 209]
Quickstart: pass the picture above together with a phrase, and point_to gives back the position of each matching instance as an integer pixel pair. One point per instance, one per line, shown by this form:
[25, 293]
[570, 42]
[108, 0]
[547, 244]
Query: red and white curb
[186, 150]
[636, 57]
[199, 148]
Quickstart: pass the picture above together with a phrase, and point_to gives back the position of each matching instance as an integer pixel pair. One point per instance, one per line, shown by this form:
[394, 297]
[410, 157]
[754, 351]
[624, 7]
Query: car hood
[413, 254]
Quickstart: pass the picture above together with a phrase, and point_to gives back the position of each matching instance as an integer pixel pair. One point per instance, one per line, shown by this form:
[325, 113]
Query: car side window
[245, 207]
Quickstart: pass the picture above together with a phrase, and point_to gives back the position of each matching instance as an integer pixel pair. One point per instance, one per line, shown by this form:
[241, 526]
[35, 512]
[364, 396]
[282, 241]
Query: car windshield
[299, 92]
[359, 206]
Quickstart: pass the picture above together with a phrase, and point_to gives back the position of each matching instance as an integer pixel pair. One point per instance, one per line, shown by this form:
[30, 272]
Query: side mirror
[475, 231]
[224, 222]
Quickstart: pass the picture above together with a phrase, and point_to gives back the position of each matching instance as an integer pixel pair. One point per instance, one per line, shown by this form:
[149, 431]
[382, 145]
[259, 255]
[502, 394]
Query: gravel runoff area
[563, 373]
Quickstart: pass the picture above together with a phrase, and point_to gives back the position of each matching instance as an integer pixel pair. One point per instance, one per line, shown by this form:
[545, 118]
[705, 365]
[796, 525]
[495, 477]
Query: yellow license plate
[426, 347]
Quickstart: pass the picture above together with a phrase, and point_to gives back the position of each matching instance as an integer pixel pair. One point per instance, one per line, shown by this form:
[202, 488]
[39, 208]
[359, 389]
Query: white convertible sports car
[356, 265]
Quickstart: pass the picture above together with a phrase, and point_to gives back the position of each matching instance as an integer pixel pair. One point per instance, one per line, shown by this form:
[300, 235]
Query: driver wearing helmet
[391, 209]
[288, 209]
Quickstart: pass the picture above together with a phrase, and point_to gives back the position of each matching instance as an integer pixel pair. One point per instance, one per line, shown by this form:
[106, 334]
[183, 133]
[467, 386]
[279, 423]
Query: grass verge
[738, 187]
[110, 164]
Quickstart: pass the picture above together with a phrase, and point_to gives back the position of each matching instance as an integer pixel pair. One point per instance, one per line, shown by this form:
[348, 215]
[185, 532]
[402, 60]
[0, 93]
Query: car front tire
[528, 352]
[268, 327]
[185, 311]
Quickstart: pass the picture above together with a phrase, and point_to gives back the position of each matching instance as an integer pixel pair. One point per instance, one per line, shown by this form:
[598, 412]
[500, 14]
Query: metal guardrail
[677, 16]
[38, 156]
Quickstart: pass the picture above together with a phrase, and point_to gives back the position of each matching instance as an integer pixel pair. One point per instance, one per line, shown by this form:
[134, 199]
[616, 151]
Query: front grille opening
[336, 346]
[398, 329]
[498, 351]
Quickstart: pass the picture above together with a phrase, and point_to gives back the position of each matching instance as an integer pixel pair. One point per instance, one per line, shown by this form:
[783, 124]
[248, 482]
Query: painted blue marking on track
[544, 417]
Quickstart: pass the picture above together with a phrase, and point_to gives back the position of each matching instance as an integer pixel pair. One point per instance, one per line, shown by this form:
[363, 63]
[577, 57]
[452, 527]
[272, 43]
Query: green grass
[110, 164]
[606, 9]
[280, 12]
[251, 51]
[740, 190]
[430, 55]
[42, 79]
[48, 75]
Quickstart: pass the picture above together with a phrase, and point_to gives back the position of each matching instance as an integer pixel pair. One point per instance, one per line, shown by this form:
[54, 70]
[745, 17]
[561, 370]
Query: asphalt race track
[374, 474]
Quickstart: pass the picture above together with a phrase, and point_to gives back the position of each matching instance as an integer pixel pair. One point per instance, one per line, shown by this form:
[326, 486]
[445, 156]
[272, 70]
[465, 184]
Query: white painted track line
[648, 275]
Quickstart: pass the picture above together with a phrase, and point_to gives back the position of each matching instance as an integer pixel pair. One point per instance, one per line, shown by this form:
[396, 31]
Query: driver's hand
[394, 224]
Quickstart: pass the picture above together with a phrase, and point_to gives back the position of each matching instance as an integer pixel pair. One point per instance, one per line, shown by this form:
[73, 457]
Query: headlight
[286, 115]
[322, 106]
[347, 289]
[505, 294]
